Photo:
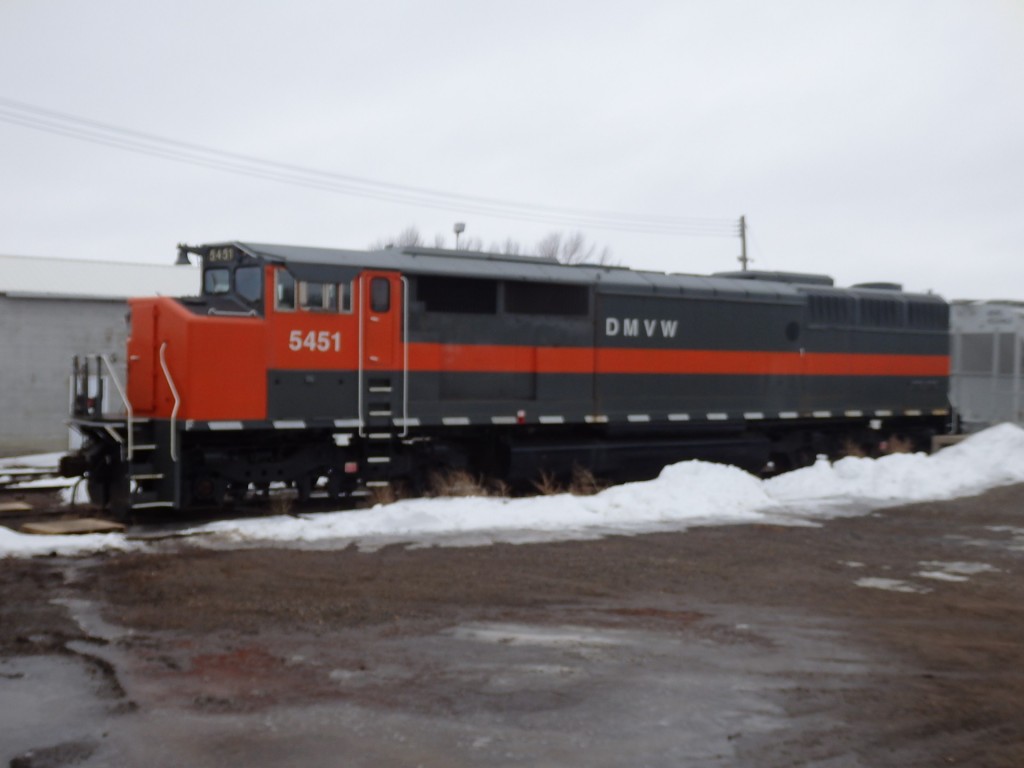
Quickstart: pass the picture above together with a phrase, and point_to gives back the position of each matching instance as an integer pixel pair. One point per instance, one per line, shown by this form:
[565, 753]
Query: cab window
[380, 294]
[249, 283]
[345, 297]
[318, 297]
[217, 281]
[284, 291]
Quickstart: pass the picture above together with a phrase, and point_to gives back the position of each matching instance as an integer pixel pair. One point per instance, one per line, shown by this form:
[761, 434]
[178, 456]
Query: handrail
[127, 405]
[231, 313]
[177, 400]
[405, 356]
[359, 383]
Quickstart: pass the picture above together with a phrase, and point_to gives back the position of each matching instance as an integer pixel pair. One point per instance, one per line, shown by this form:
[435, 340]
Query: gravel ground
[891, 639]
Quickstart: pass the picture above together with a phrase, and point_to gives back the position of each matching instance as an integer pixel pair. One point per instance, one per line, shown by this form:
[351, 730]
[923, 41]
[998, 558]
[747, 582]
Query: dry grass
[457, 482]
[898, 444]
[584, 483]
[283, 503]
[382, 494]
[853, 448]
[547, 484]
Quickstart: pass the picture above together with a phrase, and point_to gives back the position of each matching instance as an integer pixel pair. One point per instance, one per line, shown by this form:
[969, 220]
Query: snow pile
[985, 460]
[685, 494]
[691, 492]
[14, 544]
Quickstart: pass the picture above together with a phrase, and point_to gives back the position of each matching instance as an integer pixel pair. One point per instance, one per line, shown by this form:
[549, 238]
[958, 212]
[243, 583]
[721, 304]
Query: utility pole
[743, 243]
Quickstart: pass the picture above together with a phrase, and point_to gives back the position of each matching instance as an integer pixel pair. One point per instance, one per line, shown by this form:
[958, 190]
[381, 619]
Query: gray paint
[40, 336]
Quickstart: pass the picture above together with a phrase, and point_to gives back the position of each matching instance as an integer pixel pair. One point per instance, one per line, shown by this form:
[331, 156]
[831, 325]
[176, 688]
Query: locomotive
[332, 371]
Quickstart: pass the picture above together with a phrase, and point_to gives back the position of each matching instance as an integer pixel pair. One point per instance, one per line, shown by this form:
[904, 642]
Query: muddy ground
[892, 639]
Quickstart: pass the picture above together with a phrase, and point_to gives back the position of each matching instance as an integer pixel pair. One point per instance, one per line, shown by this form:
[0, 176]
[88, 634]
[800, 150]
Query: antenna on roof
[743, 244]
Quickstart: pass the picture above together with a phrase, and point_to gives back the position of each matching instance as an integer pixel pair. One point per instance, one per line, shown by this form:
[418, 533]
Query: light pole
[460, 227]
[743, 258]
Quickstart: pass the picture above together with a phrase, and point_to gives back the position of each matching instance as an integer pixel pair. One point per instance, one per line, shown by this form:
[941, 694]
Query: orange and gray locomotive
[330, 371]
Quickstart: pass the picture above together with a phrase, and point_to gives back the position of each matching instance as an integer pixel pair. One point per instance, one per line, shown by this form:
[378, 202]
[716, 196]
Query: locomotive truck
[335, 370]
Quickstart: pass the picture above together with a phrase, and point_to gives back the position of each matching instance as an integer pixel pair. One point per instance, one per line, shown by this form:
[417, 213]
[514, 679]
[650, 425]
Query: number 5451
[316, 341]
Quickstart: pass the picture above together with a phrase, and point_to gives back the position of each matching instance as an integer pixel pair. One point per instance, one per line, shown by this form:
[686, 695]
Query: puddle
[955, 571]
[891, 585]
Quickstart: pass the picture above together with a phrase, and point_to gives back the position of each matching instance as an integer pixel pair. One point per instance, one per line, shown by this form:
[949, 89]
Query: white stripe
[346, 423]
[717, 416]
[411, 422]
[455, 421]
[940, 412]
[753, 416]
[189, 424]
[822, 414]
[638, 418]
[289, 425]
[912, 413]
[854, 414]
[503, 419]
[883, 413]
[679, 417]
[377, 459]
[596, 419]
[216, 425]
[552, 420]
[789, 415]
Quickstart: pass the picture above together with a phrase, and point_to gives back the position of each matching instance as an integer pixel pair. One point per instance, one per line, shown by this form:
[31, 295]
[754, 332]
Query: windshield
[217, 281]
[248, 284]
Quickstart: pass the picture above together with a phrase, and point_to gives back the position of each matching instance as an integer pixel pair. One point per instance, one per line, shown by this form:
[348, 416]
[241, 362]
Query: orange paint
[483, 358]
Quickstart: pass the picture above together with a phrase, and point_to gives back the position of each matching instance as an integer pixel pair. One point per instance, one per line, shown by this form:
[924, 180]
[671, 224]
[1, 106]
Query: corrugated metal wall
[38, 338]
[986, 380]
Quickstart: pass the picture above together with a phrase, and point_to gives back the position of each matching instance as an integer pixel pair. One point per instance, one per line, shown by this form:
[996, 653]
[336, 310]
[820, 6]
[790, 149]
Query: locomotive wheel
[107, 486]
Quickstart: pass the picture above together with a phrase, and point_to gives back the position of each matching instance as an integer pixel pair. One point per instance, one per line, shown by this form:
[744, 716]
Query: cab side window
[284, 291]
[318, 297]
[345, 298]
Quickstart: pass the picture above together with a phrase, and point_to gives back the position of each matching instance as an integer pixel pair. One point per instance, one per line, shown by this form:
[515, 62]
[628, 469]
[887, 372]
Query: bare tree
[509, 248]
[410, 236]
[566, 249]
[573, 249]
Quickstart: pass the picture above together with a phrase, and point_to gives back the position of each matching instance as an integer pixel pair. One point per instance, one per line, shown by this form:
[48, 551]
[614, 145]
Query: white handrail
[359, 382]
[177, 401]
[127, 405]
[405, 356]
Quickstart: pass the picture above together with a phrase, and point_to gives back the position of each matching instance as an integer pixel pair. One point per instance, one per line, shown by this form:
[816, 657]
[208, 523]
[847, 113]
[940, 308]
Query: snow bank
[14, 544]
[685, 494]
[985, 460]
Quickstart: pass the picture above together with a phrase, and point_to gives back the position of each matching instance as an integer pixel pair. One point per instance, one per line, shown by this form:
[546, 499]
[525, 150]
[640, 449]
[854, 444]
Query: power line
[83, 129]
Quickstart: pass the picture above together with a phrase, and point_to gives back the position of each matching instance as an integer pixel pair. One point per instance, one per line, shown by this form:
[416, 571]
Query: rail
[405, 356]
[177, 402]
[231, 313]
[129, 414]
[359, 380]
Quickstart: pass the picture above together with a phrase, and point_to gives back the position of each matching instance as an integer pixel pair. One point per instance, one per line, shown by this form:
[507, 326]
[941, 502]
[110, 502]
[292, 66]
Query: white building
[52, 310]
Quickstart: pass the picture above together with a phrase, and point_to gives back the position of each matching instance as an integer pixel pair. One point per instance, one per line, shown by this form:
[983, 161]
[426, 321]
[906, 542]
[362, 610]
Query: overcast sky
[867, 140]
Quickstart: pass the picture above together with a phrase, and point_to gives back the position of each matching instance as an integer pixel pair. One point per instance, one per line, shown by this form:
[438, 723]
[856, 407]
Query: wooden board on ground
[79, 525]
[14, 506]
